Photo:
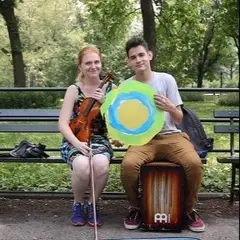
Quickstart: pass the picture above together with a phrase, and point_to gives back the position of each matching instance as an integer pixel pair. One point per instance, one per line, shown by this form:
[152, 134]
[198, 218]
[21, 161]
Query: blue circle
[113, 117]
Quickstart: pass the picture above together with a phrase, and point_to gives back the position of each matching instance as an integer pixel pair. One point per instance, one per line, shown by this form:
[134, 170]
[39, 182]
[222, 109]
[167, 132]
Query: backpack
[193, 127]
[29, 150]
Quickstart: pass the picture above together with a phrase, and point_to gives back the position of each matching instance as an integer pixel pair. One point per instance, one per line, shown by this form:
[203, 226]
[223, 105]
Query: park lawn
[56, 177]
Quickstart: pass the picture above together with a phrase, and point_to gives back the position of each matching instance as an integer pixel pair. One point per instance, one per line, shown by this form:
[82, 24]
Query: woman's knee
[100, 164]
[80, 167]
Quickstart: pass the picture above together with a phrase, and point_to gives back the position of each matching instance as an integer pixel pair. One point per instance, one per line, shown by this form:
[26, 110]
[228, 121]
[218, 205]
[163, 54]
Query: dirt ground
[50, 219]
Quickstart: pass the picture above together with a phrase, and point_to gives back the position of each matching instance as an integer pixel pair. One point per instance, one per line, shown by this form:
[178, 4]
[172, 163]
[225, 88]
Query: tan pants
[175, 148]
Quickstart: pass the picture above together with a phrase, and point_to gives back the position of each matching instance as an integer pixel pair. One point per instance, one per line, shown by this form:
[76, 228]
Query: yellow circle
[132, 114]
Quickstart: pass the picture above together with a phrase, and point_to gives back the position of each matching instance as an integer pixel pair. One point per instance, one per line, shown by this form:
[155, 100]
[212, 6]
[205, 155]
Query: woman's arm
[66, 113]
[64, 119]
[114, 86]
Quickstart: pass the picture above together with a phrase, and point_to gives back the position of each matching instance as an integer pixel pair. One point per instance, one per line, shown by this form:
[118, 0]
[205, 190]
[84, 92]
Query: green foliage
[180, 32]
[229, 18]
[191, 40]
[6, 69]
[51, 40]
[230, 83]
[216, 177]
[53, 32]
[114, 183]
[106, 23]
[229, 99]
[192, 96]
[111, 16]
[34, 177]
[30, 99]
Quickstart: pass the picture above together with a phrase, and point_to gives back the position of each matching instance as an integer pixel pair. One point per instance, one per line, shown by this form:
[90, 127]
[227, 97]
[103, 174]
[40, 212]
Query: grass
[56, 177]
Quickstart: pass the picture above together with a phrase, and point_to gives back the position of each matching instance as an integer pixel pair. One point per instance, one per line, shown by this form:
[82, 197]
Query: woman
[75, 152]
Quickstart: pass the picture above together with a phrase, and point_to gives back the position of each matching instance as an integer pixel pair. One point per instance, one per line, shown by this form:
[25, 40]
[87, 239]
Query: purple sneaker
[99, 219]
[78, 218]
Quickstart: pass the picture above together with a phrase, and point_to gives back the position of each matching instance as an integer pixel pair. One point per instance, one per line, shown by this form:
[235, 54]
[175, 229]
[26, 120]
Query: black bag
[193, 127]
[28, 150]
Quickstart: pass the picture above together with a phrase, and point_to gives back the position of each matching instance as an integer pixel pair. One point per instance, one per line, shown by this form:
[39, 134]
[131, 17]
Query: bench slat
[55, 159]
[55, 118]
[115, 149]
[29, 113]
[53, 128]
[28, 119]
[226, 129]
[233, 159]
[226, 114]
[31, 160]
[52, 159]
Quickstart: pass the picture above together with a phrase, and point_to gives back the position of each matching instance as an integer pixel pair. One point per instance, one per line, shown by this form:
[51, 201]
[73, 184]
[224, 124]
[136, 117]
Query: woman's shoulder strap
[109, 87]
[78, 88]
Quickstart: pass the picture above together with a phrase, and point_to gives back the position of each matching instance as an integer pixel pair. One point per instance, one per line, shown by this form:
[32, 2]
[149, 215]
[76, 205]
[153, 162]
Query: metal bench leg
[233, 183]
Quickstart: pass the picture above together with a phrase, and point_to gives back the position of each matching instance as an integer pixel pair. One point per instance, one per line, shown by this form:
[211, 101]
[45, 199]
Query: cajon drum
[162, 196]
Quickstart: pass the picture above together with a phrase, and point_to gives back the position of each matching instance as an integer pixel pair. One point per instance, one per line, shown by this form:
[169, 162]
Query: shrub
[192, 96]
[230, 99]
[216, 178]
[30, 99]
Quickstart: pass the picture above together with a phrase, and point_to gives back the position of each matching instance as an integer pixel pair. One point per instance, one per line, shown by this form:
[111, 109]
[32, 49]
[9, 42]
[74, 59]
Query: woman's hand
[83, 148]
[117, 143]
[99, 95]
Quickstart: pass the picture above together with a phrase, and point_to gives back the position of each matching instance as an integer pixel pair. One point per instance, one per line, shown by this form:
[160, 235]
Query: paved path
[49, 220]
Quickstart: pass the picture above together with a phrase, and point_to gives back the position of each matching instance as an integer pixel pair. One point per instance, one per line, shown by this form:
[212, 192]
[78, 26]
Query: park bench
[11, 121]
[230, 129]
[40, 121]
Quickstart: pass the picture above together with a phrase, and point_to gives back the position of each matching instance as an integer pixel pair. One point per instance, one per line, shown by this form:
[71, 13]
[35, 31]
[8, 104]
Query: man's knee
[131, 161]
[194, 164]
[127, 163]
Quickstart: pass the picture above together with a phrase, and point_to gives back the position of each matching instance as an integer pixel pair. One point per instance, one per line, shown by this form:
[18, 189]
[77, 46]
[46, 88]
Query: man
[170, 144]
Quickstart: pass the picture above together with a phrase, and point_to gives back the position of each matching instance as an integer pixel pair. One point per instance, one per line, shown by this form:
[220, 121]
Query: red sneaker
[194, 222]
[133, 220]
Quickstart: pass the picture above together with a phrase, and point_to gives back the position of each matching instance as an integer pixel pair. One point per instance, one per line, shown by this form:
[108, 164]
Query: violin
[88, 110]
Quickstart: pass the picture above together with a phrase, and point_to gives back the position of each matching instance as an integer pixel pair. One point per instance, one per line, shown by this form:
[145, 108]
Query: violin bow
[110, 76]
[93, 193]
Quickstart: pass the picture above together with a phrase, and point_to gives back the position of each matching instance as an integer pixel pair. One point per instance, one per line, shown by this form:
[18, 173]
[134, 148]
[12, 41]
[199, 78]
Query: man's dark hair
[135, 42]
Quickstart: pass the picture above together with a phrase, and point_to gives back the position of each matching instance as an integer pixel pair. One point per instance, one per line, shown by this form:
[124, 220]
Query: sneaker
[133, 220]
[78, 218]
[194, 222]
[99, 219]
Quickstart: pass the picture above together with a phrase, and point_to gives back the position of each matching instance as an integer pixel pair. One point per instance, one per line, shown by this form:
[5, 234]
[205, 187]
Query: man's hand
[163, 103]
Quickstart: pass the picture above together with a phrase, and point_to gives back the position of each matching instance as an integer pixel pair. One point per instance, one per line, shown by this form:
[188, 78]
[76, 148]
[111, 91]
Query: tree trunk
[149, 30]
[231, 71]
[204, 62]
[16, 49]
[237, 38]
[200, 75]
